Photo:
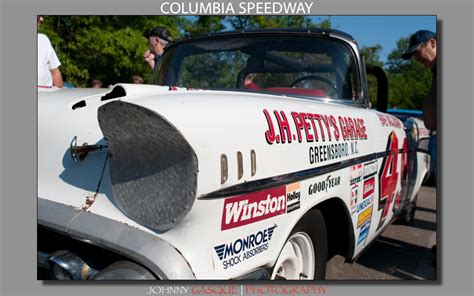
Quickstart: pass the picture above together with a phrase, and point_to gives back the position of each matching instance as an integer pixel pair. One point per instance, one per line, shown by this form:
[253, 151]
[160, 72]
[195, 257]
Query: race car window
[293, 65]
[211, 70]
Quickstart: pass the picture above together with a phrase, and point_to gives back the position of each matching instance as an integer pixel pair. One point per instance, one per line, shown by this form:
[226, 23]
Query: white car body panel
[203, 223]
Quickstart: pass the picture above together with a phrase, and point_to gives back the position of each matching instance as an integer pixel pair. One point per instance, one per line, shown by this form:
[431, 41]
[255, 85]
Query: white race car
[256, 156]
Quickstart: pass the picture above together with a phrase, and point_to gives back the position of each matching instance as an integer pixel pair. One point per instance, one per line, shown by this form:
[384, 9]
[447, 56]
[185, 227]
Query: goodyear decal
[324, 185]
[239, 250]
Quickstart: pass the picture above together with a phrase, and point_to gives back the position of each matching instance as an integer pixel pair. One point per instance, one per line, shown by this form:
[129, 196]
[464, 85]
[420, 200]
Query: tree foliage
[409, 81]
[110, 48]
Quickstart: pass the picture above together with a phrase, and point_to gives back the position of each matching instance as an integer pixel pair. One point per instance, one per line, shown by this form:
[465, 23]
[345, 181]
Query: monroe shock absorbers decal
[236, 251]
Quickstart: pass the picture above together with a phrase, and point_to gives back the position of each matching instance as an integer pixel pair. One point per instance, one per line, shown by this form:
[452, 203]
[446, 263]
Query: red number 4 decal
[388, 178]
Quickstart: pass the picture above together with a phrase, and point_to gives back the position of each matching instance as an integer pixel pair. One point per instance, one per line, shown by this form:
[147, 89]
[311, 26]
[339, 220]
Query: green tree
[205, 24]
[109, 48]
[409, 81]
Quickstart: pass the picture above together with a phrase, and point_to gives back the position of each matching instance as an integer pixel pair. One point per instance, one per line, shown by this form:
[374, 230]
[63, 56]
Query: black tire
[312, 223]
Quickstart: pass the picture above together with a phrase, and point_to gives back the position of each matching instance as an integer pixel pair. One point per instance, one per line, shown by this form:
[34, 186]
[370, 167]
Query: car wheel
[304, 255]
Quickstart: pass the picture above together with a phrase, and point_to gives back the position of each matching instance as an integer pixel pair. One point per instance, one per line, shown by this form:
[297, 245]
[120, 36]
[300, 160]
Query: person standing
[422, 47]
[158, 39]
[48, 62]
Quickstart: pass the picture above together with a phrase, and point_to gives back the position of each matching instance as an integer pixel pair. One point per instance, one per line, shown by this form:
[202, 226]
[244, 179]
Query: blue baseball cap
[416, 39]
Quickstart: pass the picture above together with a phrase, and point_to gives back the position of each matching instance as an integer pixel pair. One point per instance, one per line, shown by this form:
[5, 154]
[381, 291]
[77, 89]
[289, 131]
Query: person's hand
[149, 58]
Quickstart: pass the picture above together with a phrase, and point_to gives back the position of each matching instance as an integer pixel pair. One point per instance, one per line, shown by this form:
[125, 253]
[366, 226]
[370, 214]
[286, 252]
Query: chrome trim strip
[43, 260]
[253, 162]
[271, 182]
[154, 253]
[224, 169]
[240, 165]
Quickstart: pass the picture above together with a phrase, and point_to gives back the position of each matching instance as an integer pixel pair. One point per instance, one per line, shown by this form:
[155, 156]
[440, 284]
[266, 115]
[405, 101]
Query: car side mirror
[382, 86]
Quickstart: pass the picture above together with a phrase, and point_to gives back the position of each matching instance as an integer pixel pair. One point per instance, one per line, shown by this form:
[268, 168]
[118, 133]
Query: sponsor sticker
[364, 217]
[364, 204]
[253, 207]
[293, 196]
[354, 195]
[355, 174]
[369, 186]
[234, 252]
[324, 185]
[367, 195]
[364, 233]
[257, 206]
[370, 169]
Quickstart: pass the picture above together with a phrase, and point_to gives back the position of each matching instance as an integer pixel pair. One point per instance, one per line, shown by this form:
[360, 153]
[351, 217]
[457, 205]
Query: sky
[384, 30]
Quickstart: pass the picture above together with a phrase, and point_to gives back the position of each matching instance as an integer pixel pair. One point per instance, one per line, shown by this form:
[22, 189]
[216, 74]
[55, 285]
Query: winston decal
[257, 206]
[250, 208]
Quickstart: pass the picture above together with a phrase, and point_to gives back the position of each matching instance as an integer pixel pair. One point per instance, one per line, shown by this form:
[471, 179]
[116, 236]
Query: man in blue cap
[158, 39]
[422, 47]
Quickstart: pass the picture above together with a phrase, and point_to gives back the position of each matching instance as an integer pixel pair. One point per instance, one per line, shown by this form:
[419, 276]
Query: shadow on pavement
[422, 224]
[400, 259]
[426, 210]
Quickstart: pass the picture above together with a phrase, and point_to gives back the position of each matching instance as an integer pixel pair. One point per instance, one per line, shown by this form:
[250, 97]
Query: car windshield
[312, 66]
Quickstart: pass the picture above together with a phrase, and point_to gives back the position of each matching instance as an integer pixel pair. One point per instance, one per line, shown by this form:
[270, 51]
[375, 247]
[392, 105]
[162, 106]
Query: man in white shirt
[48, 62]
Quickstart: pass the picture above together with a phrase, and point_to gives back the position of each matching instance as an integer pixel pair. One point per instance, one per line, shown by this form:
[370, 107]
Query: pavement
[401, 252]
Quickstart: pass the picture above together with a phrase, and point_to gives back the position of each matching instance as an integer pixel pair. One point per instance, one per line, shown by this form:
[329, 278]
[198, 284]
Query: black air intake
[152, 167]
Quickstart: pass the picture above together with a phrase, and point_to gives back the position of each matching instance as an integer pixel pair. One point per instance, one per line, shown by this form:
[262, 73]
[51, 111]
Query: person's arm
[57, 78]
[149, 58]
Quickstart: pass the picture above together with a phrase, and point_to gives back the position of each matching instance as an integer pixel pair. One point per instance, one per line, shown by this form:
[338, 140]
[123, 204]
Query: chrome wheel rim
[296, 260]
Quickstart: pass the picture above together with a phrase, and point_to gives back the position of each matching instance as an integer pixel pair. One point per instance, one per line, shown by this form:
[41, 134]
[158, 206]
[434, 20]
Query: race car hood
[135, 124]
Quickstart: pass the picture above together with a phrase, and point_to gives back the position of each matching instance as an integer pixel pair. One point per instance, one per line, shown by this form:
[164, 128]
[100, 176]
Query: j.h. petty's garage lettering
[312, 127]
[332, 131]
